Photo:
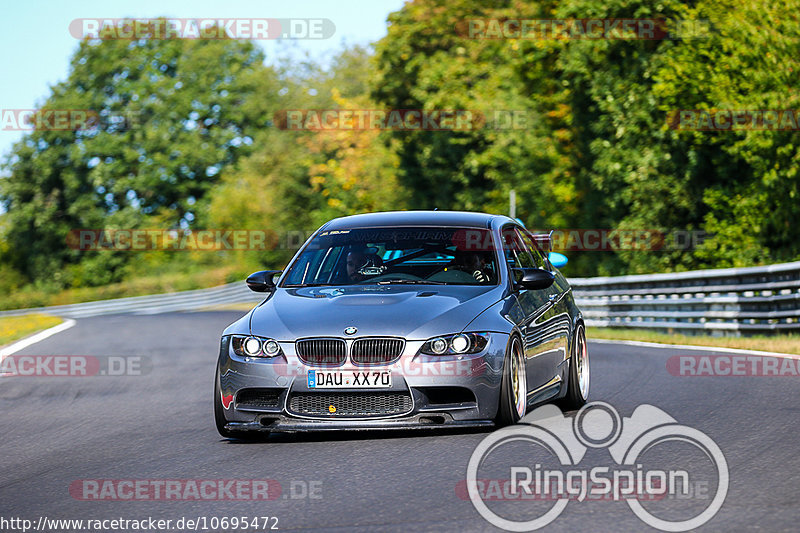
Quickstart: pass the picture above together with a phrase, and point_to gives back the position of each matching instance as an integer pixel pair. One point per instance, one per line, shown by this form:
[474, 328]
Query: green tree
[294, 181]
[598, 152]
[173, 114]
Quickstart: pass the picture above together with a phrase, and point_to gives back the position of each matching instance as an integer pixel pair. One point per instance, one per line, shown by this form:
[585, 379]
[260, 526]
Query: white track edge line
[33, 339]
[695, 347]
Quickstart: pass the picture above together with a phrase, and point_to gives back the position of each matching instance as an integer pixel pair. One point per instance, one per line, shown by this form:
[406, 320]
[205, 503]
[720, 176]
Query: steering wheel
[479, 275]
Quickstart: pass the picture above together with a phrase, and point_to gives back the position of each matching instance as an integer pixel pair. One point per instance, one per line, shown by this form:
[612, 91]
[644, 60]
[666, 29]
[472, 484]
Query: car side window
[539, 257]
[515, 253]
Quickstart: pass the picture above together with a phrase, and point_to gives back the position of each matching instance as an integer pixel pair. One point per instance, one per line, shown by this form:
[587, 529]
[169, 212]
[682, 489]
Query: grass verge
[13, 328]
[788, 343]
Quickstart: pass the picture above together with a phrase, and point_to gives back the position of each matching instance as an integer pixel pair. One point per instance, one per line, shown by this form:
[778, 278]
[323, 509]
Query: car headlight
[251, 346]
[458, 344]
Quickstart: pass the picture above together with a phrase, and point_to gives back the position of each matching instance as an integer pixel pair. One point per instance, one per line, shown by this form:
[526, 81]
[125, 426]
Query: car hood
[414, 312]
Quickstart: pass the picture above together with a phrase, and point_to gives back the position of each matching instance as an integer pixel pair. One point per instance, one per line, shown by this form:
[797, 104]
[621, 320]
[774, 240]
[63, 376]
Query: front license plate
[349, 379]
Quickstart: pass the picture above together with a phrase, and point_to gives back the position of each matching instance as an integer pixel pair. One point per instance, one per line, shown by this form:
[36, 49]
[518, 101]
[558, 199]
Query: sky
[36, 43]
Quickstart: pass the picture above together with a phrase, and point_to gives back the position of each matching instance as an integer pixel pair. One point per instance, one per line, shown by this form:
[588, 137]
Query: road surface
[56, 431]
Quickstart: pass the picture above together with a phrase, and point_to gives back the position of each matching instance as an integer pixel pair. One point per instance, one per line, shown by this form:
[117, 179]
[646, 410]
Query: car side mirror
[262, 281]
[532, 278]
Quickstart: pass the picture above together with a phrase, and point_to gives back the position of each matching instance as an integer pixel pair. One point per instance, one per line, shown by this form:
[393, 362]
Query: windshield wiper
[410, 282]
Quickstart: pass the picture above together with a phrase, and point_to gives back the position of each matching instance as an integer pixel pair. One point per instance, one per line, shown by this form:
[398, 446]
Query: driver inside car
[357, 261]
[471, 263]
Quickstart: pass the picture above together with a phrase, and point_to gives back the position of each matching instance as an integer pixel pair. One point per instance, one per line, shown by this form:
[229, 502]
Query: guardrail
[728, 301]
[159, 303]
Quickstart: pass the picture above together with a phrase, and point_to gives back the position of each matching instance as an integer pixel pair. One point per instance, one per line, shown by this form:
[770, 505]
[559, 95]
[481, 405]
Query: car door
[552, 323]
[539, 360]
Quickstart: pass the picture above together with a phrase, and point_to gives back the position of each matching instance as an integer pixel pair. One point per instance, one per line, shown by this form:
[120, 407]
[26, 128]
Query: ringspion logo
[545, 491]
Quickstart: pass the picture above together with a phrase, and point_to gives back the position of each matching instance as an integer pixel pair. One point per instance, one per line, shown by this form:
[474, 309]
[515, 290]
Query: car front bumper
[457, 391]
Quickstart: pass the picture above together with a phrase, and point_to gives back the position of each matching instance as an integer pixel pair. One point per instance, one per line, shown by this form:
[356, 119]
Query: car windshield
[384, 256]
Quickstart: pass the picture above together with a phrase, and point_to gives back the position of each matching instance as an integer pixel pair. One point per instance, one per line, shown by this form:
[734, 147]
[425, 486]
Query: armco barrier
[728, 301]
[158, 303]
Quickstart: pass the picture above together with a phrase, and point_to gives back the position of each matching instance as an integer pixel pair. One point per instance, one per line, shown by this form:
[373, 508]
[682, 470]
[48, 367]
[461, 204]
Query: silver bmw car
[412, 319]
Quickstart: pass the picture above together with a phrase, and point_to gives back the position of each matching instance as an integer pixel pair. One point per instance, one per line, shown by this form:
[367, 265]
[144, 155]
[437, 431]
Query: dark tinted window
[514, 249]
[539, 257]
[455, 256]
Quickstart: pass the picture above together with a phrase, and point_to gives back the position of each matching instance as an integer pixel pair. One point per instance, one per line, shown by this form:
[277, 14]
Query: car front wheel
[514, 387]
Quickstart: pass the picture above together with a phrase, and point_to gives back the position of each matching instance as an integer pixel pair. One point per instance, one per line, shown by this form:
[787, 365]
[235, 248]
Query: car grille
[351, 404]
[258, 398]
[328, 352]
[376, 351]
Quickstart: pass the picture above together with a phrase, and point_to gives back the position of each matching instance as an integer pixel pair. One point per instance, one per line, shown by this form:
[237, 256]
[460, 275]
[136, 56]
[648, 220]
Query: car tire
[513, 388]
[578, 385]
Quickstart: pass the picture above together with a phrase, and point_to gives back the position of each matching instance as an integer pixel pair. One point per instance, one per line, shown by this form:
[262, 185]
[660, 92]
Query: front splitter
[285, 424]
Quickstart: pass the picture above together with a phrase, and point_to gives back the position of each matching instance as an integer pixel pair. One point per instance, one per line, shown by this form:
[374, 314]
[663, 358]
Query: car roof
[415, 218]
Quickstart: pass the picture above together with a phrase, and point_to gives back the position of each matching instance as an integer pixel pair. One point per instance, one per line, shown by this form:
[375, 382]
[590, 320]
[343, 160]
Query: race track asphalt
[58, 430]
